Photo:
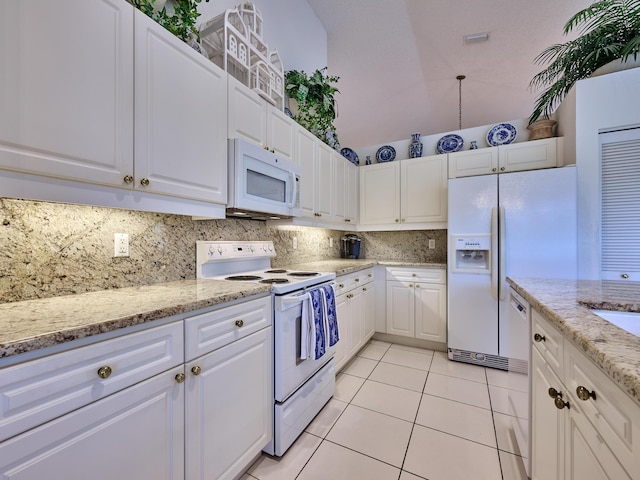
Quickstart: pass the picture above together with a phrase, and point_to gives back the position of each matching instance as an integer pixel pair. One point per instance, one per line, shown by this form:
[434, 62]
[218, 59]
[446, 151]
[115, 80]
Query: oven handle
[293, 299]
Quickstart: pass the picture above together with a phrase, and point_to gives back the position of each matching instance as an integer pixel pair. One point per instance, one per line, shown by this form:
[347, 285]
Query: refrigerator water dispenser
[472, 253]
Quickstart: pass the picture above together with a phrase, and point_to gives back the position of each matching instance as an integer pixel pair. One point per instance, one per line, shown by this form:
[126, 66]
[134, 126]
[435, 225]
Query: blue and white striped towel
[313, 330]
[329, 301]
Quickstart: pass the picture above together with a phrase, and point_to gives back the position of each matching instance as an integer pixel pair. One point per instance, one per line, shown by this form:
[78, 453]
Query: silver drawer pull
[239, 323]
[196, 370]
[539, 338]
[104, 372]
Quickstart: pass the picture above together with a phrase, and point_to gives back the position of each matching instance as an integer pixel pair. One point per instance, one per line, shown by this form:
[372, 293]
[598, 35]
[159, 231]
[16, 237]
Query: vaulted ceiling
[398, 60]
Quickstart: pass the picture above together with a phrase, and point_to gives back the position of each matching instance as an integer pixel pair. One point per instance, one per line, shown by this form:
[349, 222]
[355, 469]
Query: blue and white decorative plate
[386, 154]
[450, 143]
[288, 112]
[350, 155]
[501, 134]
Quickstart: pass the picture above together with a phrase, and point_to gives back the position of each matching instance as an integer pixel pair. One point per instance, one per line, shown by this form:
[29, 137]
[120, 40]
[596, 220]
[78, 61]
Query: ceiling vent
[476, 38]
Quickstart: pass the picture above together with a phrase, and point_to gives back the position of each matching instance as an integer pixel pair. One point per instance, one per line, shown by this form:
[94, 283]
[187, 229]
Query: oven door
[290, 371]
[261, 181]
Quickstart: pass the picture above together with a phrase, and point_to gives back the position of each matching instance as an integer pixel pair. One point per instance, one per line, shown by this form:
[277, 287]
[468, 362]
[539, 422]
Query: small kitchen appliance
[302, 386]
[350, 246]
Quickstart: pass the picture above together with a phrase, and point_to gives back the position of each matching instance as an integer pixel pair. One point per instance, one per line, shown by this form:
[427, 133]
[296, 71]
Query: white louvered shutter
[620, 174]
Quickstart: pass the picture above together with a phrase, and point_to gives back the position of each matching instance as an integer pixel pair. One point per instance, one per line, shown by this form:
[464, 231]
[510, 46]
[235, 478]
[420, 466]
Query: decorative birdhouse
[233, 41]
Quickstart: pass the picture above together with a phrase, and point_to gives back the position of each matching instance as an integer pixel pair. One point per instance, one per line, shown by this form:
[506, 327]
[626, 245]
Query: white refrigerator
[520, 224]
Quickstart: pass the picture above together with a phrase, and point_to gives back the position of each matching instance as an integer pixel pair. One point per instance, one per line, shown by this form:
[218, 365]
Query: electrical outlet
[432, 243]
[121, 245]
[294, 243]
[330, 242]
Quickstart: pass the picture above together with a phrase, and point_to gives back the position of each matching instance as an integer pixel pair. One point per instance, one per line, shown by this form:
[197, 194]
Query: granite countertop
[566, 304]
[35, 324]
[343, 266]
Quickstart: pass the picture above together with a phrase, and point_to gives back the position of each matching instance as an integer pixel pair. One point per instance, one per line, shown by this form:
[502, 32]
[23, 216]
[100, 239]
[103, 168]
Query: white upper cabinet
[66, 89]
[71, 98]
[345, 192]
[324, 181]
[252, 118]
[410, 193]
[515, 157]
[180, 117]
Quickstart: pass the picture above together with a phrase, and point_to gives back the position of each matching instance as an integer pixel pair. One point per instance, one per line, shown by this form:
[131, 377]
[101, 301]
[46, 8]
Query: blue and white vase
[415, 148]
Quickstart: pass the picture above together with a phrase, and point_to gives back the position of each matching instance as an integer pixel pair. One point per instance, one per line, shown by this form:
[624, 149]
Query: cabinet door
[342, 312]
[325, 162]
[380, 194]
[423, 187]
[247, 113]
[351, 194]
[181, 118]
[528, 155]
[400, 309]
[431, 312]
[368, 316]
[280, 133]
[66, 89]
[356, 333]
[229, 410]
[547, 422]
[587, 457]
[340, 189]
[135, 433]
[306, 151]
[468, 163]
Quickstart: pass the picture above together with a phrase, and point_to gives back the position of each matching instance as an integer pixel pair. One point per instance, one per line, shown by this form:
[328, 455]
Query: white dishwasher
[518, 377]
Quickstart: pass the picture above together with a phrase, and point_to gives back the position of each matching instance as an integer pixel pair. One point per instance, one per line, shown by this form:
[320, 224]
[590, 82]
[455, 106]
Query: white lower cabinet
[130, 407]
[584, 427]
[135, 433]
[417, 303]
[229, 407]
[113, 409]
[354, 307]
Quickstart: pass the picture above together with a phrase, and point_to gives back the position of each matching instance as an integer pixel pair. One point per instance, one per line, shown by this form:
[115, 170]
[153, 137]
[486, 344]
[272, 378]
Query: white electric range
[301, 386]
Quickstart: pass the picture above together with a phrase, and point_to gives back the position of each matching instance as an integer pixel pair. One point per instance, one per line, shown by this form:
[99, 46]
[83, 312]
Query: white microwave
[262, 185]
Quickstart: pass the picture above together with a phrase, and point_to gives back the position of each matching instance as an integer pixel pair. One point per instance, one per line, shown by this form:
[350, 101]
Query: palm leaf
[610, 29]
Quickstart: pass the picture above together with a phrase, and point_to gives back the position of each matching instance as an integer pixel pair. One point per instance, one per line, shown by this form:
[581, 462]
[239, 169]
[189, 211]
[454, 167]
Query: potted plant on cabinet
[610, 30]
[179, 18]
[314, 105]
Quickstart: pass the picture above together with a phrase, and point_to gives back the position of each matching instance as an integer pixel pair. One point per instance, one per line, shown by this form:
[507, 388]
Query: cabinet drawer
[615, 416]
[426, 275]
[548, 341]
[345, 283]
[209, 331]
[35, 392]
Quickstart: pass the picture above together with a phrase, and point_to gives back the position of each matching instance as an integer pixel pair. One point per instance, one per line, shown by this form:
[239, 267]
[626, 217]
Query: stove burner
[245, 278]
[279, 270]
[303, 274]
[274, 280]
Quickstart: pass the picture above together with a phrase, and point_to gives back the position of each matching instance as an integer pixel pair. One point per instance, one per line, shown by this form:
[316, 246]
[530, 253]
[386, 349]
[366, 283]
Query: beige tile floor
[402, 413]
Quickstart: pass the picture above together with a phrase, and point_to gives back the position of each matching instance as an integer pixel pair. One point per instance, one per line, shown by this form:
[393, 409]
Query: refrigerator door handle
[494, 253]
[502, 267]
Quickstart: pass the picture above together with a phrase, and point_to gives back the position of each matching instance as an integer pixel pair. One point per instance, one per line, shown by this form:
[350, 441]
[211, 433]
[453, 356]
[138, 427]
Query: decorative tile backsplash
[49, 249]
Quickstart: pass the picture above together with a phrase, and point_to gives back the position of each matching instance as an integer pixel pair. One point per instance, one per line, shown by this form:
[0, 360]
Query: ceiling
[398, 60]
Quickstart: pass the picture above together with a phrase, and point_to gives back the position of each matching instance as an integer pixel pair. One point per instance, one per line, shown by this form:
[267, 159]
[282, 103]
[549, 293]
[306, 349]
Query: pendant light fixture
[460, 78]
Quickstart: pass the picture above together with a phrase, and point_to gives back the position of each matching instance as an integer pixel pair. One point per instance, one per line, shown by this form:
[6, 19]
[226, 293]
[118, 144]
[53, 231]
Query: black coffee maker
[350, 246]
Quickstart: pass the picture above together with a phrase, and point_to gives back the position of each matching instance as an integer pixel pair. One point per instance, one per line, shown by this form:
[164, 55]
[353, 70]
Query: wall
[301, 43]
[49, 249]
[602, 103]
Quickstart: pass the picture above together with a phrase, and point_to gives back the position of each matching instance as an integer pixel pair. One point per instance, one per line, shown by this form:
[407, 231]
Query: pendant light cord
[460, 78]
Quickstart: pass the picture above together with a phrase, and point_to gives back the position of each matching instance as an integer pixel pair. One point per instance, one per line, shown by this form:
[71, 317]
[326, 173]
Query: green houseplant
[609, 30]
[182, 22]
[315, 105]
